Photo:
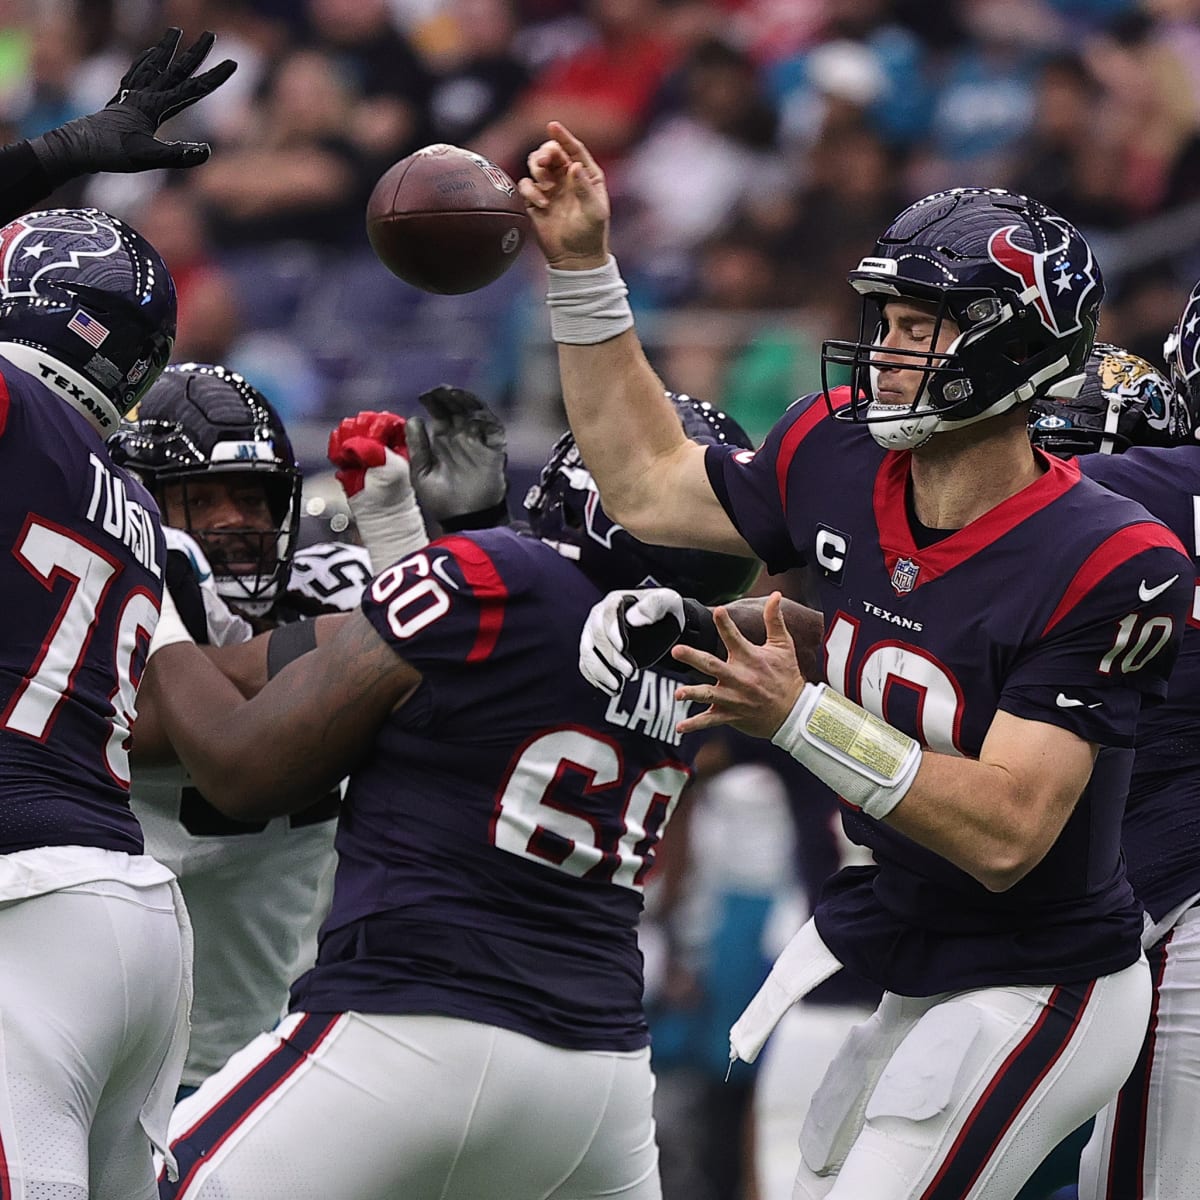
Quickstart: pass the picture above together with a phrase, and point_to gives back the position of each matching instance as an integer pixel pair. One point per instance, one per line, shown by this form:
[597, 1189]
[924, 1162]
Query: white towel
[805, 962]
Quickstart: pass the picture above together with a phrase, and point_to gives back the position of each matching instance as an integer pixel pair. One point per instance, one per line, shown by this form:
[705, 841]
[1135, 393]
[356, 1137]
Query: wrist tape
[865, 760]
[588, 307]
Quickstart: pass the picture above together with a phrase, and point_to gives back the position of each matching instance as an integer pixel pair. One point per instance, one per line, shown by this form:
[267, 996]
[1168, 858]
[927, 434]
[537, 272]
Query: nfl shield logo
[904, 577]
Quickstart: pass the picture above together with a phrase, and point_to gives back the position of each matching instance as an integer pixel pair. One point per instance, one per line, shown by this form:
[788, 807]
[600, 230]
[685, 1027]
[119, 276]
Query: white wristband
[588, 307]
[865, 760]
[386, 512]
[170, 628]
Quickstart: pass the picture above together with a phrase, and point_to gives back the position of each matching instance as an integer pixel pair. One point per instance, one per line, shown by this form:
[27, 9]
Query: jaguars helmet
[1182, 353]
[1123, 402]
[199, 421]
[1018, 281]
[87, 306]
[564, 509]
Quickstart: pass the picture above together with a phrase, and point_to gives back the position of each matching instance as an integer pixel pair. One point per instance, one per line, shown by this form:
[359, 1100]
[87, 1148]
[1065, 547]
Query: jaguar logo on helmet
[1057, 286]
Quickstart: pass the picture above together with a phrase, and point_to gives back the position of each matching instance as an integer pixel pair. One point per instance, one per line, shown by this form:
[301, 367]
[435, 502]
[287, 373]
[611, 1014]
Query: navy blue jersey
[1063, 604]
[81, 577]
[1162, 818]
[493, 845]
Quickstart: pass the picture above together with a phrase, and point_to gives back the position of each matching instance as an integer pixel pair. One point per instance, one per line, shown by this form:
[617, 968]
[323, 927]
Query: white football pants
[363, 1107]
[960, 1096]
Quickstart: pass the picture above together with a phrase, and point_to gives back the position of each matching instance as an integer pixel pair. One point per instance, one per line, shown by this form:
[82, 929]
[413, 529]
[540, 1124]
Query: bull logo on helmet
[33, 249]
[1058, 280]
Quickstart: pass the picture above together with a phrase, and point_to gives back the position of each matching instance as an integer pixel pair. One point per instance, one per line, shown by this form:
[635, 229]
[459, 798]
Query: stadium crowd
[754, 151]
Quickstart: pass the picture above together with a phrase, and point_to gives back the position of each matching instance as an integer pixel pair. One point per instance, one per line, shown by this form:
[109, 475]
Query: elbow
[1007, 864]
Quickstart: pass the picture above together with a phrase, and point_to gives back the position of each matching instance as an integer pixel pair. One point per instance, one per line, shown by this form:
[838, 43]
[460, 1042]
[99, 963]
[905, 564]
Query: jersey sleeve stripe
[1110, 554]
[480, 573]
[800, 429]
[4, 403]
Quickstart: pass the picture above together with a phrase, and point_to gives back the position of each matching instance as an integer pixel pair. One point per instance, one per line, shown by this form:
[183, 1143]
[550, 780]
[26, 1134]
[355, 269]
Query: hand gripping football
[446, 220]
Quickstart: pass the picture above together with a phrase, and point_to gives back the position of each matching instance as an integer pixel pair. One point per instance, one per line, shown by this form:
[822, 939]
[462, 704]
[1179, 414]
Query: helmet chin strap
[917, 425]
[72, 388]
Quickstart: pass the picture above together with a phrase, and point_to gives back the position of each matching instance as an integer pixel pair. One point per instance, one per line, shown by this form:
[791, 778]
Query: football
[446, 220]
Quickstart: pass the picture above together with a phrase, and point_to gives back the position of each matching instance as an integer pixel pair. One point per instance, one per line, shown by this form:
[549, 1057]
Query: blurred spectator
[863, 59]
[294, 174]
[1152, 103]
[984, 106]
[730, 349]
[391, 82]
[602, 93]
[852, 187]
[480, 76]
[209, 316]
[696, 166]
[55, 55]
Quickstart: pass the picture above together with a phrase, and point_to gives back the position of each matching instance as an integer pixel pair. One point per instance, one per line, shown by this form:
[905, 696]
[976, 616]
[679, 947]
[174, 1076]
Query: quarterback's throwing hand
[626, 631]
[567, 201]
[755, 688]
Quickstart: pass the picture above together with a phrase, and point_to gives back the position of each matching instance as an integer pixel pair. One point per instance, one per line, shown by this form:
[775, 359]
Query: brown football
[446, 220]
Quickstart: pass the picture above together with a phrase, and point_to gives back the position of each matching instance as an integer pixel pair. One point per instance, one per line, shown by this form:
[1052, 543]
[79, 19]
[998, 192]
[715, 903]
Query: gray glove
[457, 460]
[120, 137]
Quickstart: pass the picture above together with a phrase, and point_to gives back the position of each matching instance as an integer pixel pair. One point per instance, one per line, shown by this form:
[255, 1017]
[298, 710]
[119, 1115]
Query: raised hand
[755, 688]
[362, 443]
[121, 136]
[458, 459]
[370, 455]
[567, 201]
[626, 631]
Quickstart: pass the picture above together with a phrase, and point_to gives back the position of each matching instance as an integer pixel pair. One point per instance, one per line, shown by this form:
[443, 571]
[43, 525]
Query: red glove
[359, 443]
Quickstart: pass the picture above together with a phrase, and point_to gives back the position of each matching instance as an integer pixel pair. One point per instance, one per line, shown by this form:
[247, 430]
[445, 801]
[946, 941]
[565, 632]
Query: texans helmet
[87, 306]
[1182, 352]
[1123, 402]
[200, 422]
[1017, 280]
[564, 510]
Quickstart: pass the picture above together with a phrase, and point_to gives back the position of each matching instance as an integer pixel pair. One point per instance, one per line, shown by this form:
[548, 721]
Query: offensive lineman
[1136, 434]
[992, 624]
[94, 990]
[215, 455]
[475, 1011]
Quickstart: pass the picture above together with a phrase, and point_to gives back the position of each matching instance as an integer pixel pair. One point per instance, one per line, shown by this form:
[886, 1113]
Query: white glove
[386, 513]
[626, 631]
[378, 485]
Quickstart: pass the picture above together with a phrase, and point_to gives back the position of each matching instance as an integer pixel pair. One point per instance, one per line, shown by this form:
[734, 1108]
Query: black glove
[120, 137]
[458, 460]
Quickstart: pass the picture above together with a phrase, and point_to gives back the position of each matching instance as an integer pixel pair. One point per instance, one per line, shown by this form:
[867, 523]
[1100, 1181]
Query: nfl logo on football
[904, 577]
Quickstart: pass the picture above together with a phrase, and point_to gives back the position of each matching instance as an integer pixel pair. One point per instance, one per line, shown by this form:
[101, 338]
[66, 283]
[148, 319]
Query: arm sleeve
[23, 181]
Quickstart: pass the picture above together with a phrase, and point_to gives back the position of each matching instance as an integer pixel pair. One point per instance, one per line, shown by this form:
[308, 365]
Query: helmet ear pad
[564, 509]
[202, 422]
[88, 291]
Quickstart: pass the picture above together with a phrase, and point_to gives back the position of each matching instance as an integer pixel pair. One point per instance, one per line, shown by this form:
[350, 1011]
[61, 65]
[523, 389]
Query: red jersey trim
[1119, 548]
[895, 535]
[480, 573]
[800, 429]
[4, 404]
